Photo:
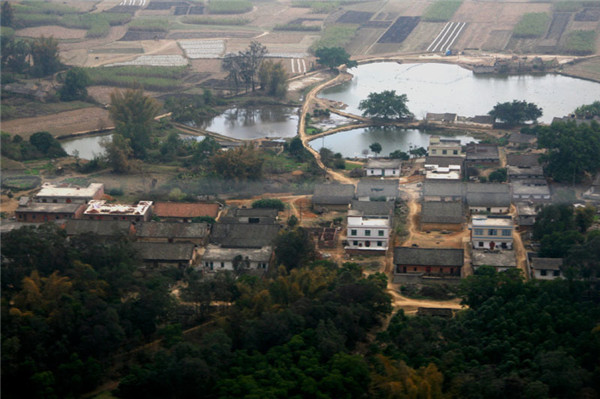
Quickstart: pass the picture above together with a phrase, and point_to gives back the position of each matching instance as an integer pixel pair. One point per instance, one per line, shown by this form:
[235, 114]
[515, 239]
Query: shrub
[269, 203]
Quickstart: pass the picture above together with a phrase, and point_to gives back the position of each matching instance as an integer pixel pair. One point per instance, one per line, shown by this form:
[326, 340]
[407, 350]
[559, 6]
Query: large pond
[255, 122]
[442, 88]
[353, 143]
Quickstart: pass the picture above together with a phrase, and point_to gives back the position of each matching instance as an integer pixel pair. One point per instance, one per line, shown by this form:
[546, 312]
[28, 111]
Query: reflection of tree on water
[252, 116]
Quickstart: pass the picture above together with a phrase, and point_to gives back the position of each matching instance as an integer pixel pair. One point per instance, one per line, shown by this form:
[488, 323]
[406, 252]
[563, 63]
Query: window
[393, 172]
[444, 152]
[543, 272]
[222, 264]
[381, 233]
[434, 152]
[493, 232]
[481, 243]
[506, 233]
[355, 243]
[455, 152]
[380, 243]
[372, 171]
[368, 233]
[367, 243]
[353, 232]
[478, 232]
[556, 273]
[254, 220]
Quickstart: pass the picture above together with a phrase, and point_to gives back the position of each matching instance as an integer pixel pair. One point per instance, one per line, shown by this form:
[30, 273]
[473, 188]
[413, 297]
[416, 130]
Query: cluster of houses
[163, 233]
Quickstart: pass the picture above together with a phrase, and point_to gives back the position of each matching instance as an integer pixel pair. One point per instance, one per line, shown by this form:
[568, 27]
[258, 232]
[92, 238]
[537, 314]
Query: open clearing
[57, 31]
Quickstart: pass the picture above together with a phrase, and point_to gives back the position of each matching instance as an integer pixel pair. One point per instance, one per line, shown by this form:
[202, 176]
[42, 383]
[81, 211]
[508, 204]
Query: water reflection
[255, 122]
[85, 147]
[353, 143]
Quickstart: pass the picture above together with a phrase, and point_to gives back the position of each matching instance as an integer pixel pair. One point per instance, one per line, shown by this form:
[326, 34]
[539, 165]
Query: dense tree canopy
[44, 53]
[242, 163]
[244, 66]
[385, 105]
[333, 57]
[75, 86]
[273, 78]
[572, 150]
[588, 111]
[375, 147]
[515, 112]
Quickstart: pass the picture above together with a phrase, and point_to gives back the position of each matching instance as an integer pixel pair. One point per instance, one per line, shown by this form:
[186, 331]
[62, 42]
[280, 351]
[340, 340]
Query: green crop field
[580, 42]
[200, 20]
[336, 36]
[151, 78]
[229, 6]
[532, 25]
[441, 11]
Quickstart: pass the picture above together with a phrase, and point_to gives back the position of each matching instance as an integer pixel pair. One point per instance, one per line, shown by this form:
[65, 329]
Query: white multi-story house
[368, 232]
[492, 232]
[440, 147]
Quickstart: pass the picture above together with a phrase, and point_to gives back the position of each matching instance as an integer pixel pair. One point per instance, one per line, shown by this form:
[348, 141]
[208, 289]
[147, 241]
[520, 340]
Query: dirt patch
[59, 124]
[588, 69]
[57, 31]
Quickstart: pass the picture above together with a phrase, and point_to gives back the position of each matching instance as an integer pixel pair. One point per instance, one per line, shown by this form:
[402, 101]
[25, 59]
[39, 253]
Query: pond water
[86, 147]
[449, 88]
[352, 143]
[255, 122]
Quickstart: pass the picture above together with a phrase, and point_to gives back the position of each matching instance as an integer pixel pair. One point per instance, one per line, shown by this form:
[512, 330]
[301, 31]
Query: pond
[440, 88]
[86, 147]
[352, 143]
[255, 122]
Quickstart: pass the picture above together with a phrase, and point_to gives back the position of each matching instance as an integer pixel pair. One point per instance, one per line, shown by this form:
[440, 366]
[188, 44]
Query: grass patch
[151, 78]
[580, 42]
[532, 25]
[336, 36]
[199, 20]
[320, 7]
[567, 6]
[149, 25]
[229, 6]
[14, 107]
[441, 11]
[297, 27]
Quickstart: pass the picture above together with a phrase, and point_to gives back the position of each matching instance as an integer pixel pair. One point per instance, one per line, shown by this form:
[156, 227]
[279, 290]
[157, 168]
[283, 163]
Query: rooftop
[243, 235]
[377, 188]
[216, 253]
[383, 163]
[373, 208]
[526, 187]
[443, 188]
[429, 256]
[164, 251]
[517, 171]
[520, 138]
[444, 161]
[522, 160]
[476, 151]
[105, 228]
[101, 207]
[525, 209]
[546, 263]
[43, 207]
[357, 220]
[69, 190]
[333, 194]
[172, 230]
[185, 209]
[255, 212]
[488, 194]
[442, 212]
[492, 221]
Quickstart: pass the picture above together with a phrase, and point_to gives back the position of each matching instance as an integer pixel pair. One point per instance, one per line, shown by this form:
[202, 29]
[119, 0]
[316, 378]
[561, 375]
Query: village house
[593, 193]
[68, 193]
[195, 233]
[377, 189]
[254, 215]
[101, 228]
[546, 268]
[491, 198]
[523, 160]
[535, 190]
[428, 261]
[39, 212]
[482, 155]
[332, 197]
[369, 225]
[161, 254]
[444, 118]
[184, 211]
[526, 214]
[243, 235]
[102, 210]
[443, 147]
[216, 258]
[516, 173]
[492, 232]
[499, 260]
[435, 172]
[443, 191]
[437, 215]
[383, 167]
[520, 140]
[443, 162]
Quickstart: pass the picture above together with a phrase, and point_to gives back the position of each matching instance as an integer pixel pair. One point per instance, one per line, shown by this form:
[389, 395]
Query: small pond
[352, 143]
[255, 122]
[87, 147]
[440, 88]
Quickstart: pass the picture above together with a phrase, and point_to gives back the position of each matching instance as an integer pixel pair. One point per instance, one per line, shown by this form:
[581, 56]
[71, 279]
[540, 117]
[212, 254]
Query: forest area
[76, 313]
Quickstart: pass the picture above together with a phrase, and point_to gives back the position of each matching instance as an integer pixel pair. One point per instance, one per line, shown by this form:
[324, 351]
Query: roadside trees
[385, 105]
[515, 112]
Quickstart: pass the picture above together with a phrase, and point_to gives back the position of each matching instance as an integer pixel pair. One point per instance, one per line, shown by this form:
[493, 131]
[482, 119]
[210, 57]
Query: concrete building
[101, 210]
[370, 233]
[499, 260]
[492, 232]
[39, 212]
[526, 214]
[68, 193]
[443, 147]
[383, 167]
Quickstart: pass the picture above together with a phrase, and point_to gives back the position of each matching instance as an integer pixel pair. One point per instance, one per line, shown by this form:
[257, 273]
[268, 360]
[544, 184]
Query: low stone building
[332, 197]
[160, 254]
[383, 167]
[216, 258]
[535, 190]
[499, 260]
[492, 198]
[482, 155]
[520, 140]
[195, 233]
[526, 214]
[184, 211]
[377, 189]
[546, 268]
[69, 193]
[428, 261]
[442, 215]
[443, 191]
[39, 212]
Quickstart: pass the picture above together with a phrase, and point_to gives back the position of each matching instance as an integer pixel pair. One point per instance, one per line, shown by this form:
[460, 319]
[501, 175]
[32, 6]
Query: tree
[515, 113]
[584, 218]
[333, 57]
[553, 218]
[269, 203]
[7, 17]
[76, 81]
[133, 114]
[15, 54]
[244, 66]
[498, 176]
[418, 152]
[118, 151]
[45, 143]
[273, 78]
[376, 148]
[399, 154]
[297, 150]
[385, 105]
[44, 53]
[294, 248]
[242, 163]
[588, 111]
[232, 64]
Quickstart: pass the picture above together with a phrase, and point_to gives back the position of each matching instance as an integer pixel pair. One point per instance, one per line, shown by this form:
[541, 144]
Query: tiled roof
[428, 256]
[243, 235]
[105, 228]
[442, 212]
[161, 251]
[546, 263]
[488, 194]
[172, 230]
[444, 162]
[521, 138]
[522, 160]
[444, 189]
[255, 212]
[185, 209]
[383, 163]
[377, 188]
[333, 194]
[373, 208]
[216, 253]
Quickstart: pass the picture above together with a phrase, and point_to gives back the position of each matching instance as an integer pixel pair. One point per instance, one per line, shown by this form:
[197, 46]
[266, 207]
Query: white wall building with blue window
[492, 232]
